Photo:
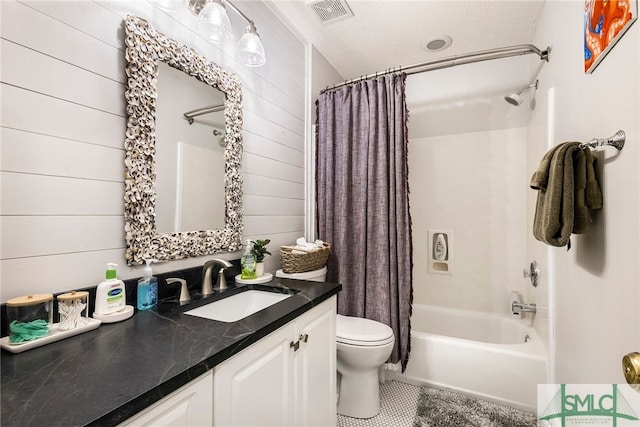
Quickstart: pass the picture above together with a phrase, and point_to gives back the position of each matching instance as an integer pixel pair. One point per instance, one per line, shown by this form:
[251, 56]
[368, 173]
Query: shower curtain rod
[451, 61]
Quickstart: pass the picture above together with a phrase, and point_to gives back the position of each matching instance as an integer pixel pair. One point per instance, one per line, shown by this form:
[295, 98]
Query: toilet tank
[319, 275]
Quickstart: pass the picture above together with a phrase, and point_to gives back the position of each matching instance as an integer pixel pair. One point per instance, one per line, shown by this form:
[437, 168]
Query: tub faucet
[518, 308]
[221, 283]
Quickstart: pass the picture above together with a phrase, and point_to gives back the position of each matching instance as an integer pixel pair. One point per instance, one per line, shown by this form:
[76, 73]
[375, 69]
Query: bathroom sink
[238, 306]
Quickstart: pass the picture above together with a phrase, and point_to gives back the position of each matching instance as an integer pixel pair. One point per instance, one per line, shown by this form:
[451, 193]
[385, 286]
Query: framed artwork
[605, 22]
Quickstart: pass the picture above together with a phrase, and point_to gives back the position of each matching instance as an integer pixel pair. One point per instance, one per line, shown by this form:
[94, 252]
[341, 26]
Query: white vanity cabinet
[188, 406]
[288, 378]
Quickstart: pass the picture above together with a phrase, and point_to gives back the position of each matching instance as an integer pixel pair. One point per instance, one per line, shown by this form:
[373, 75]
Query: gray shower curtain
[363, 201]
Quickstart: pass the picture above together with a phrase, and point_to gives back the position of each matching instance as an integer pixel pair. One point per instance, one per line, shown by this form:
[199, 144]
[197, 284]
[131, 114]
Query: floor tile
[398, 403]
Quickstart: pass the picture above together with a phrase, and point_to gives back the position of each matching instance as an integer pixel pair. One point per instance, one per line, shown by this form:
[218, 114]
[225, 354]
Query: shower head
[515, 98]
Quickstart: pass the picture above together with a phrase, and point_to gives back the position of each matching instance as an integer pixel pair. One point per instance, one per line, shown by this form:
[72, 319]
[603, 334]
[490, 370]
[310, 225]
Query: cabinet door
[255, 387]
[187, 406]
[316, 366]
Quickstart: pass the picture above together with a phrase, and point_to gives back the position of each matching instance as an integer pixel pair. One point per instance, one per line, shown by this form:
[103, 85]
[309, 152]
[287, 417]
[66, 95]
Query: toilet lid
[356, 330]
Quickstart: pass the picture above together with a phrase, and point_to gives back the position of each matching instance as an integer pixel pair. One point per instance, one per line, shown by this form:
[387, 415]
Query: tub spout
[518, 308]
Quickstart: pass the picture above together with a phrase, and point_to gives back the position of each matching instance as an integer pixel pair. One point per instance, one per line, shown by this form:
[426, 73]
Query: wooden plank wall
[62, 124]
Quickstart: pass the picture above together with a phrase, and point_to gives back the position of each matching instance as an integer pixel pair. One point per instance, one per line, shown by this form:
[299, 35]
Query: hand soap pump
[248, 263]
[147, 288]
[111, 298]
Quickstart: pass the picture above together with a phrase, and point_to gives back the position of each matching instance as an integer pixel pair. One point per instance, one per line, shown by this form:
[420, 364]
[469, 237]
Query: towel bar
[616, 140]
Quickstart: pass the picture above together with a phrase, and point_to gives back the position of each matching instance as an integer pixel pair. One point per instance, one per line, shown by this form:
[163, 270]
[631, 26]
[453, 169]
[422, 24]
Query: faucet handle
[184, 291]
[532, 272]
[221, 284]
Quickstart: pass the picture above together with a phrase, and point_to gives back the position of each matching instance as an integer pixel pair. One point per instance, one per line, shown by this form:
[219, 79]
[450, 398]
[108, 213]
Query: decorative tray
[266, 277]
[54, 335]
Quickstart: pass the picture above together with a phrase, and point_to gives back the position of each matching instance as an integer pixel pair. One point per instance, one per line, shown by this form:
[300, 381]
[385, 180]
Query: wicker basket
[303, 262]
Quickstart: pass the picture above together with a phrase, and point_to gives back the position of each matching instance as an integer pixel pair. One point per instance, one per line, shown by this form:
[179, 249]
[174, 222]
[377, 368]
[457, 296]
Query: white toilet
[363, 345]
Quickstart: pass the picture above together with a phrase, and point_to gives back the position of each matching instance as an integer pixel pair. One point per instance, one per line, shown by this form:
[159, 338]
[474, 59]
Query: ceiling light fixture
[214, 24]
[436, 44]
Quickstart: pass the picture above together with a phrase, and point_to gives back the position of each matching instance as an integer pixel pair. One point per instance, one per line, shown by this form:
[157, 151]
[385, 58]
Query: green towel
[21, 332]
[593, 195]
[540, 177]
[553, 220]
[567, 190]
[581, 217]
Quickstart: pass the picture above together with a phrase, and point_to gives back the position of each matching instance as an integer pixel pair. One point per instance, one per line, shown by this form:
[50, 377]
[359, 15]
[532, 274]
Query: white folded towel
[305, 247]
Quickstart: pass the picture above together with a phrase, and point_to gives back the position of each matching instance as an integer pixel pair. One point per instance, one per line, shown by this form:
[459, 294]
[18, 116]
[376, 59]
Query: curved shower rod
[451, 61]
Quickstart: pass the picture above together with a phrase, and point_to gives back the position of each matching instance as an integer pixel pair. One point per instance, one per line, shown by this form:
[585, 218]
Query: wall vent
[330, 11]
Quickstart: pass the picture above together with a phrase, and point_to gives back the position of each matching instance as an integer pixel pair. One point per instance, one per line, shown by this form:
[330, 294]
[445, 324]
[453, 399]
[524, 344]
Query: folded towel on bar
[567, 190]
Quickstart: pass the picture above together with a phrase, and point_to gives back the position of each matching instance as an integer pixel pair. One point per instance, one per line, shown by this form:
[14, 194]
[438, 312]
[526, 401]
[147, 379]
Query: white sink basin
[238, 306]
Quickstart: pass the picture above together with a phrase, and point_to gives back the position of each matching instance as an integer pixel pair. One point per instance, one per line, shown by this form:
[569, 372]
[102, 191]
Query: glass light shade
[171, 5]
[250, 50]
[213, 22]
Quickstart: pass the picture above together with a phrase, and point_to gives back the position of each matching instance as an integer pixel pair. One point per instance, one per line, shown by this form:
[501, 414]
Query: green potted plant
[259, 251]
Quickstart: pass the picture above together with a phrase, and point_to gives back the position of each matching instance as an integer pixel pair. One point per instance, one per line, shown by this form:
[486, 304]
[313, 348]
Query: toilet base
[359, 395]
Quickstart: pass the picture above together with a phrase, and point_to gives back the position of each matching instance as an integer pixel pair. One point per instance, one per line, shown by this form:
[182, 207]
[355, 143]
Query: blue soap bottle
[147, 288]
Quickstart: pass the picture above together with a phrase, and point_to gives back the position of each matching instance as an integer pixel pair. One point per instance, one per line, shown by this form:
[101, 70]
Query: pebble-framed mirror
[146, 48]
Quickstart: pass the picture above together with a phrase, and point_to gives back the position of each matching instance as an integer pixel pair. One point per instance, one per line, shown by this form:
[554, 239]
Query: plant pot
[260, 269]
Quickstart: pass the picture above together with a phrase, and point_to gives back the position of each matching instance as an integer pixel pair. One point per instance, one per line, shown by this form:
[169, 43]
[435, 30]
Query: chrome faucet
[221, 283]
[518, 308]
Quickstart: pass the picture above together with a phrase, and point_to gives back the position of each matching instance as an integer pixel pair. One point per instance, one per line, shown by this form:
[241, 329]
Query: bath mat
[442, 408]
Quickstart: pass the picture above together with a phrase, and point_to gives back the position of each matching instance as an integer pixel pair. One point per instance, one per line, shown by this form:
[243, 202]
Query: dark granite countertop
[104, 376]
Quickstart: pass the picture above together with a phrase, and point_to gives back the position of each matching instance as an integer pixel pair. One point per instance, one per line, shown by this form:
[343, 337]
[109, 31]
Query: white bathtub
[476, 353]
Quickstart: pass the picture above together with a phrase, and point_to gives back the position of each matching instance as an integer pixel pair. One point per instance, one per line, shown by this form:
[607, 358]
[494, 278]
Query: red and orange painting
[605, 21]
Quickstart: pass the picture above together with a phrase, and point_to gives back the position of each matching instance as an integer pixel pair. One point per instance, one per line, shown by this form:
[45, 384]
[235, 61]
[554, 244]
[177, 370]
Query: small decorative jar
[29, 317]
[73, 308]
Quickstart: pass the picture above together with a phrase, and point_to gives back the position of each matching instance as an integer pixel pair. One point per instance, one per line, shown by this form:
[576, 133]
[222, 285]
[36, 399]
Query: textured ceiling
[385, 34]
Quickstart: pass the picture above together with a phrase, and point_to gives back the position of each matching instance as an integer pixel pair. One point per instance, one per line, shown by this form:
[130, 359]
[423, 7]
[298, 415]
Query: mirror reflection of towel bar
[616, 140]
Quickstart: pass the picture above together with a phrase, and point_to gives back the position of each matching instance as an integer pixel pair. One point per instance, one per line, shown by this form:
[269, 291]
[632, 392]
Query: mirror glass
[189, 153]
[193, 215]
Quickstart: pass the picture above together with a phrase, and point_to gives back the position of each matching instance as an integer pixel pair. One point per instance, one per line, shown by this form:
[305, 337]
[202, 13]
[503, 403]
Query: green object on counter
[248, 262]
[21, 332]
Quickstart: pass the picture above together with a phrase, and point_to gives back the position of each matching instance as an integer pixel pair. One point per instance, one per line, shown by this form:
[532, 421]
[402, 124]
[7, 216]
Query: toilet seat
[362, 332]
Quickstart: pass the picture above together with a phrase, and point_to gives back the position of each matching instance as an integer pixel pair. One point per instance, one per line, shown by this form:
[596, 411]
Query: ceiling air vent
[330, 11]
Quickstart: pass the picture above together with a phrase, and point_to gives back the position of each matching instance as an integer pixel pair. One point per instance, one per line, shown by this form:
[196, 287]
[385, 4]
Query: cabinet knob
[304, 338]
[294, 345]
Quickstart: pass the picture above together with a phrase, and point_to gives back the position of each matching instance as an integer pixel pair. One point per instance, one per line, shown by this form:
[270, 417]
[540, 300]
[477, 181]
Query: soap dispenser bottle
[248, 263]
[440, 248]
[110, 294]
[147, 288]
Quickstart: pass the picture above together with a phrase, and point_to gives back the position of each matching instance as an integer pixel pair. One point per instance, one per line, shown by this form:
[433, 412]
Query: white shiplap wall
[62, 118]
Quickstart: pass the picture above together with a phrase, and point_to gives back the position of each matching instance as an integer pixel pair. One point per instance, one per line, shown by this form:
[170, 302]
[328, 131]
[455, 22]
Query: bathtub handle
[532, 272]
